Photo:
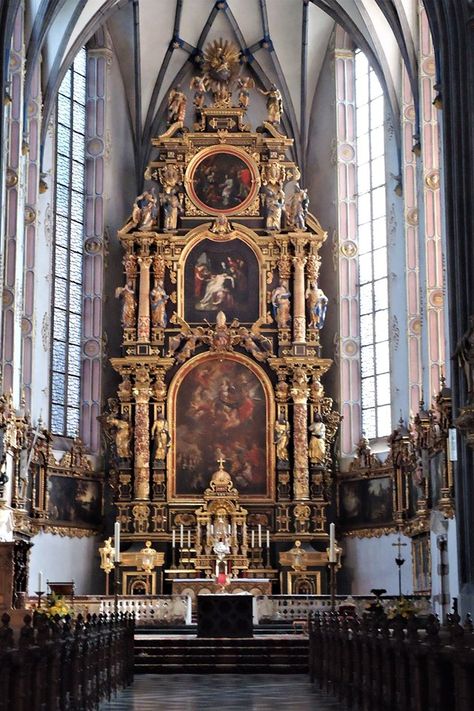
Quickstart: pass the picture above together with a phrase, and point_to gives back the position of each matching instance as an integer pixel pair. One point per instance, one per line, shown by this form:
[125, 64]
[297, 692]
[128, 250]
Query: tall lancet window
[372, 238]
[68, 249]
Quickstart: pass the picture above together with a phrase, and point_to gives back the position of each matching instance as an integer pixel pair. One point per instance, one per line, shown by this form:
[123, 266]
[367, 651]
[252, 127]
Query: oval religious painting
[220, 410]
[222, 180]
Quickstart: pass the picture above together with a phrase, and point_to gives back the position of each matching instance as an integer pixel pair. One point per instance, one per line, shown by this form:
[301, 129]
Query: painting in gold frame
[217, 277]
[74, 501]
[221, 405]
[365, 503]
[222, 180]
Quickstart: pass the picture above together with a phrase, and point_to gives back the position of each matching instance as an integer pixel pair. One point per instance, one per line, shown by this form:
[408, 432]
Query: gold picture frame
[222, 180]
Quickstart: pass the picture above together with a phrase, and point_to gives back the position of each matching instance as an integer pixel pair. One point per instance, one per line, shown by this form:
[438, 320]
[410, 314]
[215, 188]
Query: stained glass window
[373, 264]
[67, 255]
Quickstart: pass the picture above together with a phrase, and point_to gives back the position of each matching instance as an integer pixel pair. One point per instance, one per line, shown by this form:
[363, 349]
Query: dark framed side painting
[366, 503]
[217, 277]
[222, 180]
[74, 501]
[221, 407]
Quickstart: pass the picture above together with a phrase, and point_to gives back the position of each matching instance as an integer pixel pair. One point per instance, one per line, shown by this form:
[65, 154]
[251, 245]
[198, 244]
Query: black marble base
[224, 616]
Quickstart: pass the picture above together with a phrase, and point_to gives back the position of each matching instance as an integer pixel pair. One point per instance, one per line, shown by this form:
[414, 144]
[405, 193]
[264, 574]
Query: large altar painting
[221, 412]
[217, 276]
[222, 180]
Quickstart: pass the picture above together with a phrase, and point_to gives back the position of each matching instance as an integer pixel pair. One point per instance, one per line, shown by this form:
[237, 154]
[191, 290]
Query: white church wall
[370, 563]
[62, 559]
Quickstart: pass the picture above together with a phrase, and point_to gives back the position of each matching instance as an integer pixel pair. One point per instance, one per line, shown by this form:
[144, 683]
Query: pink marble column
[13, 284]
[414, 318]
[347, 252]
[98, 61]
[434, 287]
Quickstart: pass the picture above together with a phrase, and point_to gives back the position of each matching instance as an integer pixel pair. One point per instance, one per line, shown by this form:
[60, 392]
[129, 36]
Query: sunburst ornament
[221, 68]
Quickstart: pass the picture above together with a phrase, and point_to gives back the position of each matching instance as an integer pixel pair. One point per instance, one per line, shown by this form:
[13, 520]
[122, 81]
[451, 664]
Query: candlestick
[117, 541]
[173, 539]
[268, 538]
[181, 535]
[259, 535]
[252, 538]
[332, 543]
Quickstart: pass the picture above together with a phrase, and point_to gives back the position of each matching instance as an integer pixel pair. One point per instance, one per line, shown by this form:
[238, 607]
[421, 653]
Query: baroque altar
[221, 361]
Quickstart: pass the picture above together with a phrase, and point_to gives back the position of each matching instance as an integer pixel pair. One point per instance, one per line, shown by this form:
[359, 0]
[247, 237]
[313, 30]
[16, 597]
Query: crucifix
[399, 561]
[220, 462]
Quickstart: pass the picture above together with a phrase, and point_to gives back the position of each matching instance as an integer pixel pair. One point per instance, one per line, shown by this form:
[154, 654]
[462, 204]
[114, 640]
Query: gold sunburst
[221, 68]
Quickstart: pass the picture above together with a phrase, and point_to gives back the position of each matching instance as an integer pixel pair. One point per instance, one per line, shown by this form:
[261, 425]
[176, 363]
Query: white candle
[173, 540]
[259, 535]
[181, 535]
[228, 529]
[40, 581]
[117, 541]
[252, 538]
[189, 538]
[332, 542]
[268, 538]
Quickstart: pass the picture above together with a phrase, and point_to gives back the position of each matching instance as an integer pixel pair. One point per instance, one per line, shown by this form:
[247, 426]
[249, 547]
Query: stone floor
[226, 692]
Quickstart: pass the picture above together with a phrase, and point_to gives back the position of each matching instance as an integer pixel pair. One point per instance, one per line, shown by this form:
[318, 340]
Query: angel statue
[199, 86]
[245, 84]
[274, 104]
[176, 105]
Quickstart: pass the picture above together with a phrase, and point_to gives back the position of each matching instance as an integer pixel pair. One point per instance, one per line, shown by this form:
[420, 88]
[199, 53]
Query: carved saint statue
[161, 439]
[274, 208]
[281, 304]
[317, 305]
[176, 105]
[129, 304]
[158, 299]
[144, 210]
[274, 104]
[172, 209]
[317, 443]
[298, 208]
[282, 435]
[122, 436]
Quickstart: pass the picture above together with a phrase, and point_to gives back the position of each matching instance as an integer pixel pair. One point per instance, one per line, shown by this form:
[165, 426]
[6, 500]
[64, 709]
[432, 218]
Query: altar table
[224, 615]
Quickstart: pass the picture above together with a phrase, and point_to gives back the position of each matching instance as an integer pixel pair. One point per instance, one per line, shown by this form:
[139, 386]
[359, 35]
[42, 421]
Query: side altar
[222, 308]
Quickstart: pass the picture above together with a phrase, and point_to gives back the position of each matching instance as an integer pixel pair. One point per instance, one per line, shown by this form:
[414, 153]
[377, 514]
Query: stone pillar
[142, 394]
[299, 393]
[299, 308]
[144, 300]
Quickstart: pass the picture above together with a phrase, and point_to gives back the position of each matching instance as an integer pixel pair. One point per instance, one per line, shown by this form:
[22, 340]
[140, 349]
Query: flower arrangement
[56, 605]
[402, 608]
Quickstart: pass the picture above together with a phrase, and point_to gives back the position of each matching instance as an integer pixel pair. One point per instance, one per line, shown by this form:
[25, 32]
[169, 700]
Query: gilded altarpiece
[222, 309]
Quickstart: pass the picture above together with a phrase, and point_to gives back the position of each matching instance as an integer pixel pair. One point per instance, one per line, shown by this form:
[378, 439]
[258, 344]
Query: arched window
[372, 239]
[68, 249]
